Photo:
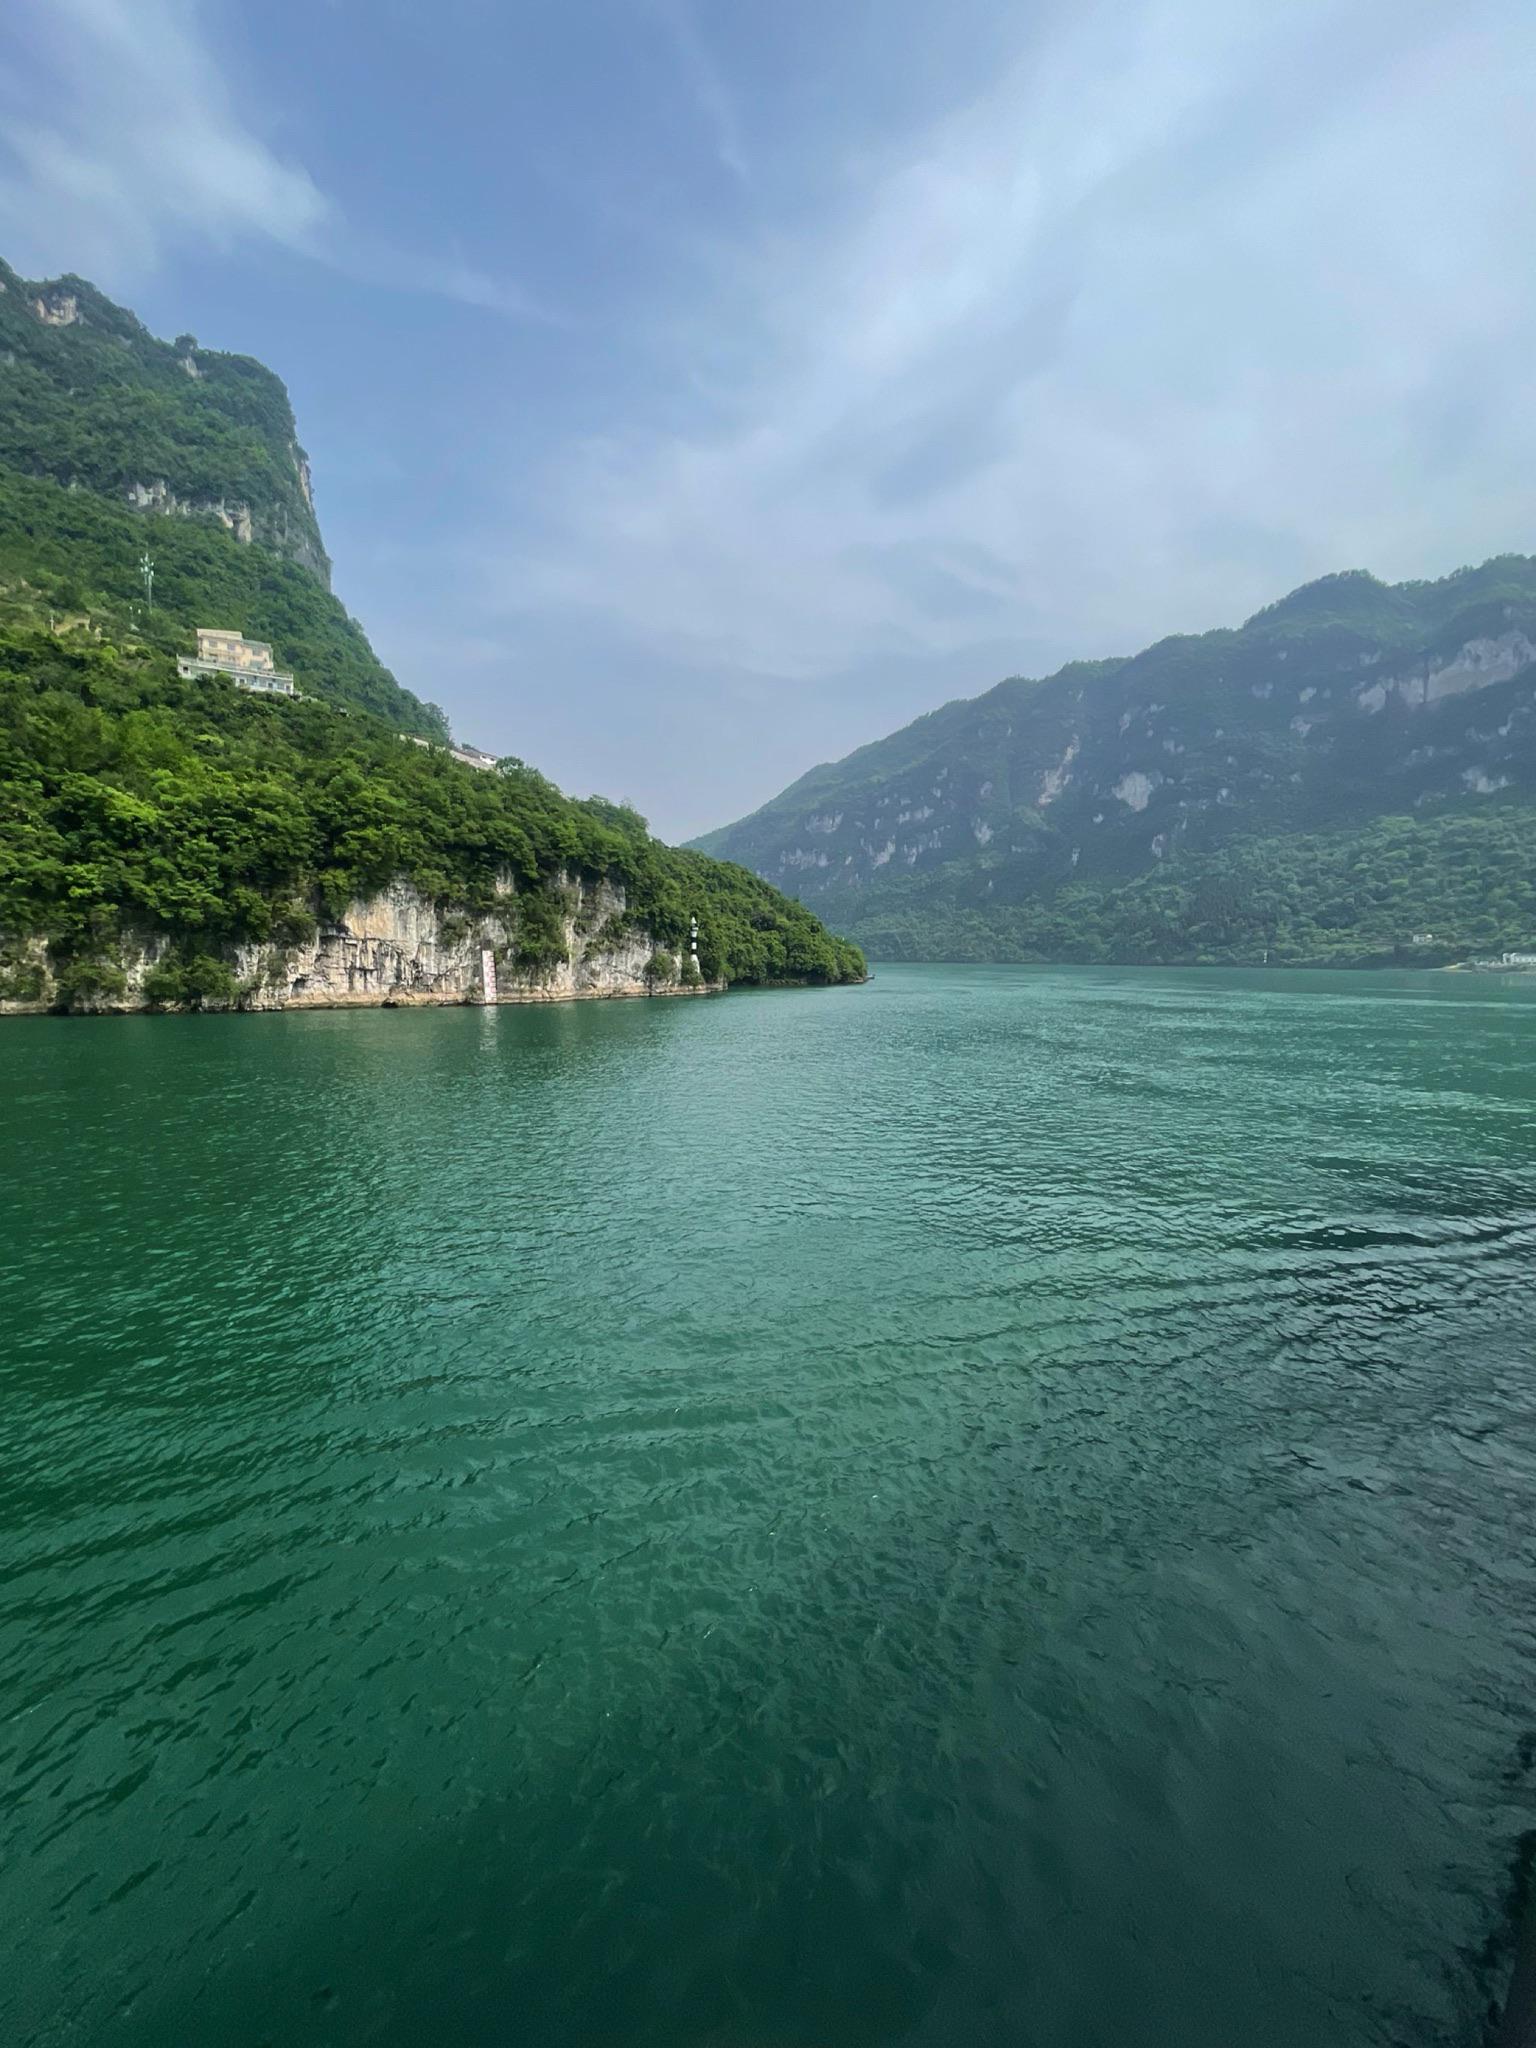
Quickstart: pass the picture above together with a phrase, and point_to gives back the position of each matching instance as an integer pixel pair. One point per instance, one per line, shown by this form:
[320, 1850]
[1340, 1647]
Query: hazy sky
[697, 388]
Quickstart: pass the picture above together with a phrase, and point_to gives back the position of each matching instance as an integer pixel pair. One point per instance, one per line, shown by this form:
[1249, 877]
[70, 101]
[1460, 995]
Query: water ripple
[993, 1507]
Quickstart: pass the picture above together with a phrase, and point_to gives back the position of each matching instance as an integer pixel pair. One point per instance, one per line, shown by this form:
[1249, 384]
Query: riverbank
[409, 1000]
[396, 949]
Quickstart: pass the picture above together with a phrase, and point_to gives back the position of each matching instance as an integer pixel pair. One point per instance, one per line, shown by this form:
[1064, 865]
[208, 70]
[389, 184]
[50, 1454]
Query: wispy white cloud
[705, 82]
[1202, 297]
[128, 138]
[137, 140]
[368, 260]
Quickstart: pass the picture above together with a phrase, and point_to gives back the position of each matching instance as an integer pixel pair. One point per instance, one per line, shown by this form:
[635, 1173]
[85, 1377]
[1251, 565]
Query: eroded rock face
[272, 527]
[56, 307]
[1477, 665]
[306, 482]
[1136, 789]
[398, 948]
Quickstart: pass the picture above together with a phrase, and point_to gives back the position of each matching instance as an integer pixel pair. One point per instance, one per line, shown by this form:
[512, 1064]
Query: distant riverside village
[1506, 963]
[248, 664]
[1499, 963]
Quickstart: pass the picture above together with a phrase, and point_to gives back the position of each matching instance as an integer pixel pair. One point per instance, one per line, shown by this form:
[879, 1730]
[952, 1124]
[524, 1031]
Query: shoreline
[519, 999]
[514, 1000]
[395, 949]
[1371, 966]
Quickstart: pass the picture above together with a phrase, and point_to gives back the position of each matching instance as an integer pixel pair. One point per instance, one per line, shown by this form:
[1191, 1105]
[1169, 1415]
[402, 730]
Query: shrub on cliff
[198, 982]
[85, 980]
[540, 928]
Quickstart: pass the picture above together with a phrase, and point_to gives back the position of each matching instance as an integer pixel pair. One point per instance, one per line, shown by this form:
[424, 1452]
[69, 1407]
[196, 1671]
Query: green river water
[992, 1507]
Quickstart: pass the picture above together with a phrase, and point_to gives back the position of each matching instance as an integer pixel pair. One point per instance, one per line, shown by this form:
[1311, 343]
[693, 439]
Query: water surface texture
[994, 1507]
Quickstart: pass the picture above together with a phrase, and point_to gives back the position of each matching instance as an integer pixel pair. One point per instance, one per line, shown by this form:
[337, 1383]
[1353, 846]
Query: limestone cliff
[399, 949]
[274, 525]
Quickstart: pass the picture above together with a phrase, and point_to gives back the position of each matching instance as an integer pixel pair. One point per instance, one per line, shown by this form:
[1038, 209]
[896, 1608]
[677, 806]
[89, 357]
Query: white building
[472, 757]
[231, 658]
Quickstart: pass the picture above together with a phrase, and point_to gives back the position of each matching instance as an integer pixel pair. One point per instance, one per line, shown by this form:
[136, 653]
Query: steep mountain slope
[92, 400]
[73, 558]
[158, 835]
[113, 443]
[1116, 809]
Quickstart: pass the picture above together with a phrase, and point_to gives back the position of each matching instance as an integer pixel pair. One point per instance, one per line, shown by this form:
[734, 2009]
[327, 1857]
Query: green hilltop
[101, 423]
[1347, 778]
[92, 400]
[135, 802]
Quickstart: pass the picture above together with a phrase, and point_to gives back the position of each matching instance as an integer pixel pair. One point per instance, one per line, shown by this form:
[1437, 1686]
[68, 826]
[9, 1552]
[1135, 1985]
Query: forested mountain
[90, 399]
[1349, 776]
[111, 443]
[137, 807]
[71, 559]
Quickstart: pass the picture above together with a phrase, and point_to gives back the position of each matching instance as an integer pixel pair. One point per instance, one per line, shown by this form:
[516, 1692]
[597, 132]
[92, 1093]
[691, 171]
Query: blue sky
[696, 390]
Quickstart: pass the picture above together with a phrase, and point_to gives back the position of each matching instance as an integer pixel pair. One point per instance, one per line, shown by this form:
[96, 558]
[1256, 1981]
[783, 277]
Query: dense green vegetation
[73, 558]
[131, 800]
[1354, 765]
[95, 405]
[1399, 891]
[91, 399]
[135, 803]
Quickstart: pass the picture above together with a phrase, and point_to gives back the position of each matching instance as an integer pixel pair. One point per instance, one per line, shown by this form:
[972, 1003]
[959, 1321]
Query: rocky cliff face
[271, 524]
[399, 949]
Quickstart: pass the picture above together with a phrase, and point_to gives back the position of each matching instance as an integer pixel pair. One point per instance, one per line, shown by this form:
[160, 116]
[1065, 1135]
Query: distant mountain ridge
[1094, 813]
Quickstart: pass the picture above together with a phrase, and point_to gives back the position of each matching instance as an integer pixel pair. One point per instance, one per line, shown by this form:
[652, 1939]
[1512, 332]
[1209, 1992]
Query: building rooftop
[472, 757]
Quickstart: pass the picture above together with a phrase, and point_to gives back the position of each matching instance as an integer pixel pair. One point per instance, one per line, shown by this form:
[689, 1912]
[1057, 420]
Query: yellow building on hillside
[231, 658]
